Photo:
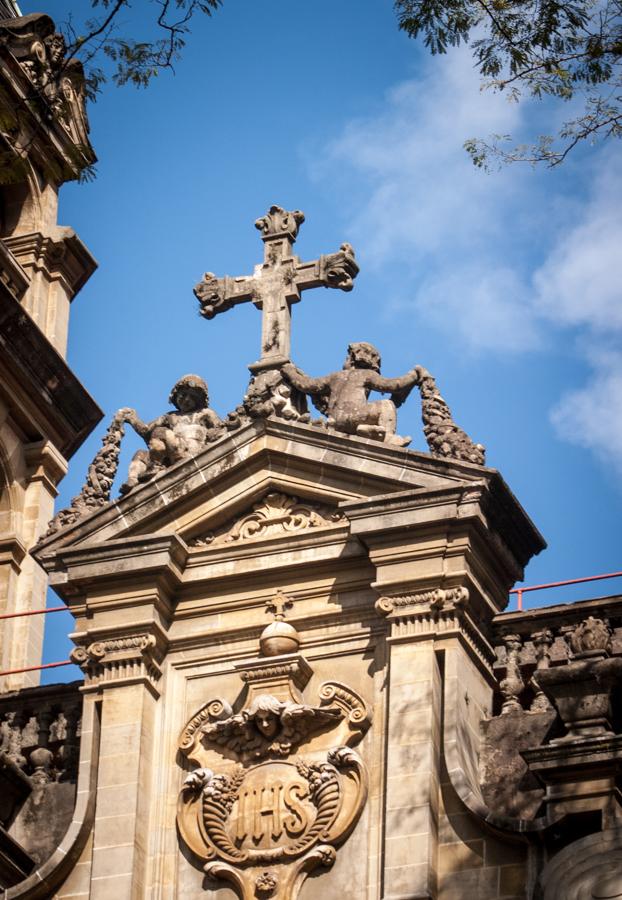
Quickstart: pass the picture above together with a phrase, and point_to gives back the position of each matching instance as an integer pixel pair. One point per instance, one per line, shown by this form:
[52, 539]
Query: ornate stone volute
[280, 223]
[277, 786]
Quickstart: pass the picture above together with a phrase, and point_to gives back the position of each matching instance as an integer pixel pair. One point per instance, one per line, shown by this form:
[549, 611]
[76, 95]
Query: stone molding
[33, 365]
[45, 464]
[121, 660]
[12, 274]
[275, 515]
[12, 552]
[60, 256]
[434, 613]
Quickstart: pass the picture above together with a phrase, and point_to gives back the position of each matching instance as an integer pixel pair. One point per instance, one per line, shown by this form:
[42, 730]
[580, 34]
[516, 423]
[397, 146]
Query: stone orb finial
[279, 636]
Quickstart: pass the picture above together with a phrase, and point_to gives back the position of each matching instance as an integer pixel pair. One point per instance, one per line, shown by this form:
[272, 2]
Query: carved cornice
[274, 515]
[11, 273]
[12, 551]
[45, 464]
[61, 255]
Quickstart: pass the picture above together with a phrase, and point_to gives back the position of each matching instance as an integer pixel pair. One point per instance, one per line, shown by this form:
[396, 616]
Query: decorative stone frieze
[275, 515]
[275, 783]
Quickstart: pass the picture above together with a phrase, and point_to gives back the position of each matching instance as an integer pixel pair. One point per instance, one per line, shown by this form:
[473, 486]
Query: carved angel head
[265, 712]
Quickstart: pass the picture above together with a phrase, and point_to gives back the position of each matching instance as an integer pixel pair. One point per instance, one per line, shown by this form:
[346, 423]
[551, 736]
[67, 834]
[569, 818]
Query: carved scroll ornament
[267, 817]
[275, 514]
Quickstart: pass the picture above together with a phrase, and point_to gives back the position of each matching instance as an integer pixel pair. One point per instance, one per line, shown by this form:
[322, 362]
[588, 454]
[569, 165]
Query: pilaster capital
[133, 657]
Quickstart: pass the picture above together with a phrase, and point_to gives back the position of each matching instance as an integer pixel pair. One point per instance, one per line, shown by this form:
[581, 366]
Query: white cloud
[427, 207]
[505, 263]
[591, 417]
[483, 305]
[581, 281]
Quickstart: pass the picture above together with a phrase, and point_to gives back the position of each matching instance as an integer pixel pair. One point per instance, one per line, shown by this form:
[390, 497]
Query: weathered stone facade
[299, 676]
[300, 680]
[45, 413]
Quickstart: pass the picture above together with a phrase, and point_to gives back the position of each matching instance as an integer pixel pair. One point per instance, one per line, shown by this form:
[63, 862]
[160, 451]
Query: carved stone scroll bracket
[357, 713]
[190, 738]
[435, 613]
[434, 601]
[107, 662]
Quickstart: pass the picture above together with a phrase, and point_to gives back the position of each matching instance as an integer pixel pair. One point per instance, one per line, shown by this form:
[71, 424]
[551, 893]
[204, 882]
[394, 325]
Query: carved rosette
[258, 812]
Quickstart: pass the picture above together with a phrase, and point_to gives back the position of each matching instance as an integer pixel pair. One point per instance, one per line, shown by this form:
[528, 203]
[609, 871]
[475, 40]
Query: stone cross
[277, 283]
[279, 603]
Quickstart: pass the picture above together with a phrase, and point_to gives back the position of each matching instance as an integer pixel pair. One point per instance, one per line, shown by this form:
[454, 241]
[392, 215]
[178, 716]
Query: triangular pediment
[222, 493]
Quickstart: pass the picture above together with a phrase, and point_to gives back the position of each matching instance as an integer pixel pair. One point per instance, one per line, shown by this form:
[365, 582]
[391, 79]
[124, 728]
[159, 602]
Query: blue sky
[506, 286]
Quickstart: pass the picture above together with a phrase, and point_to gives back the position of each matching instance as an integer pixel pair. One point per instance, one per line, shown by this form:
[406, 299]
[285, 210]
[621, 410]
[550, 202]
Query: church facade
[299, 677]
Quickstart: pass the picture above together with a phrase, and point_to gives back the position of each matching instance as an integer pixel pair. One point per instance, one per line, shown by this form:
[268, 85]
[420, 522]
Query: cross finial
[277, 283]
[279, 603]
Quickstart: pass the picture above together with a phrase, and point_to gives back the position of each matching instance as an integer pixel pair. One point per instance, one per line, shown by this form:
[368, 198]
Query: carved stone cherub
[268, 726]
[343, 395]
[175, 435]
